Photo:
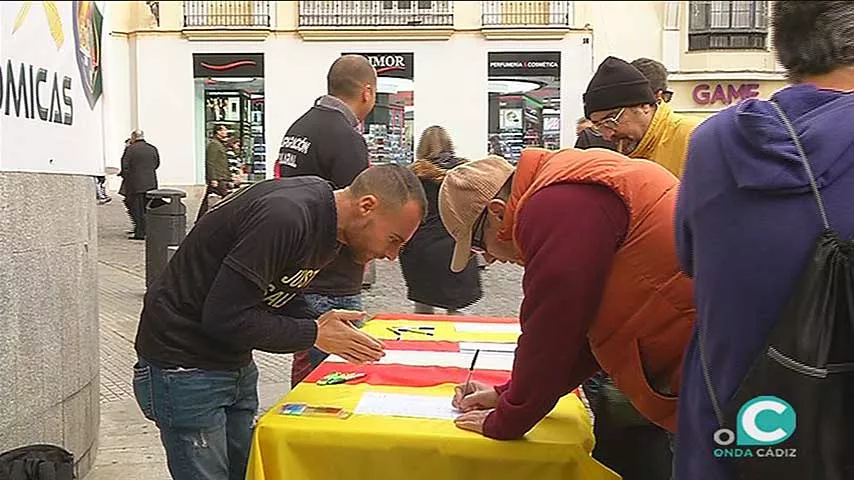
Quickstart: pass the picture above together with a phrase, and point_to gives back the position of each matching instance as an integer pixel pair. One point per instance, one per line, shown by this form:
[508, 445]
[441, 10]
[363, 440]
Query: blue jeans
[322, 304]
[205, 417]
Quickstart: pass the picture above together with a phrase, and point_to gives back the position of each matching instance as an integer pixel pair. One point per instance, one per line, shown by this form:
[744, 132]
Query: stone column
[49, 360]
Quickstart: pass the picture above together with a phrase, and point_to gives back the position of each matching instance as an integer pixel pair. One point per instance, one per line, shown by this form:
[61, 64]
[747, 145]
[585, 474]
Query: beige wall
[623, 29]
[620, 28]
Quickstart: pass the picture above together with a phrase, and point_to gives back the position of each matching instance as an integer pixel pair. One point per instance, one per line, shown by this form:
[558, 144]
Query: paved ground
[129, 444]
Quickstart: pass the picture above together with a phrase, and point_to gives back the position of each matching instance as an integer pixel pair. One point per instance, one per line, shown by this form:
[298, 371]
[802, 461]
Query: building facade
[498, 75]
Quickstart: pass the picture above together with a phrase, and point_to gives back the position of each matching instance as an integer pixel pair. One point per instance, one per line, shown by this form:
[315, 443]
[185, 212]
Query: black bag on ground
[37, 462]
[808, 362]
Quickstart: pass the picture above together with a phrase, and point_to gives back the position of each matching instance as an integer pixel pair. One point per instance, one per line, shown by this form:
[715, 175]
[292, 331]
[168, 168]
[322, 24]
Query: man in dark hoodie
[746, 220]
[327, 142]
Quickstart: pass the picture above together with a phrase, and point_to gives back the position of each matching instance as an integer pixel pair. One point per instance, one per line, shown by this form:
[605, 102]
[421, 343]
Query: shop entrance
[524, 102]
[230, 92]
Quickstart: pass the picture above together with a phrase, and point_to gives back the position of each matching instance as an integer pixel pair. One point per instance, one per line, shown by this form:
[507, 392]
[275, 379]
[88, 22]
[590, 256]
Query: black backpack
[37, 462]
[805, 373]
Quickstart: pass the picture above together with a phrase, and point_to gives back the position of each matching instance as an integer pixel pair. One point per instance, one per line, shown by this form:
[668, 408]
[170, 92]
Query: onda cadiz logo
[762, 423]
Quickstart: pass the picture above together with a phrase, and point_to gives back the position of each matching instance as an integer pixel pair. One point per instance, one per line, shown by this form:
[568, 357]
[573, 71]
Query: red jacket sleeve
[569, 234]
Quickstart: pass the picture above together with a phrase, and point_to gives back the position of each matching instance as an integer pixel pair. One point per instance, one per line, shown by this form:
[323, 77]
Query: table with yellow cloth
[369, 447]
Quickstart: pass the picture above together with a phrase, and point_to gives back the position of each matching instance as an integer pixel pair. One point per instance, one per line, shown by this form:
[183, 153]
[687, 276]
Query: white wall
[117, 104]
[164, 90]
[450, 88]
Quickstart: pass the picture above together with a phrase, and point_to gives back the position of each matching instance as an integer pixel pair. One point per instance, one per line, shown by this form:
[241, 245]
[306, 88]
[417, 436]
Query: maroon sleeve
[569, 234]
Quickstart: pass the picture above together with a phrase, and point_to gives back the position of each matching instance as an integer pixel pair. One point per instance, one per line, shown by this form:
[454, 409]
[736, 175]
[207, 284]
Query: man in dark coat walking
[139, 164]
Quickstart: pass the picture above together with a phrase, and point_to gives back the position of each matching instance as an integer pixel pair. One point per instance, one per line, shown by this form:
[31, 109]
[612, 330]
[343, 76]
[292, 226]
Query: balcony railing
[213, 14]
[543, 13]
[369, 14]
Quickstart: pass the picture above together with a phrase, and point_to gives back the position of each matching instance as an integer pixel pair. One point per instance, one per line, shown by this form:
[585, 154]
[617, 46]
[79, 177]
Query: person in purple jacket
[746, 220]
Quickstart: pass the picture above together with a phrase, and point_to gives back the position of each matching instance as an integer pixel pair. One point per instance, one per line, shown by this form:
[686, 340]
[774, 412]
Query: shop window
[388, 130]
[728, 25]
[231, 88]
[524, 102]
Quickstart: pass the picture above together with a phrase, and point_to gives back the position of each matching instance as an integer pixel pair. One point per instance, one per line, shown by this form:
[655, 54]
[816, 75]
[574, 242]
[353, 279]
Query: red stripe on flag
[423, 346]
[407, 375]
[443, 318]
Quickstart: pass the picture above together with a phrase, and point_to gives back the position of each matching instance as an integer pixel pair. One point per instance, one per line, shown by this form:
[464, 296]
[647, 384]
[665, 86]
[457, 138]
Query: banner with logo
[51, 89]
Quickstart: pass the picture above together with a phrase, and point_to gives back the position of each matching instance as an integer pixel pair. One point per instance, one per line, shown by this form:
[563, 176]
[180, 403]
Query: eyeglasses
[667, 95]
[477, 244]
[610, 123]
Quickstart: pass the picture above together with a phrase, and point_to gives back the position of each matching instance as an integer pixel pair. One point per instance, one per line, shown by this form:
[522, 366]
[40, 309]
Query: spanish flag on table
[426, 356]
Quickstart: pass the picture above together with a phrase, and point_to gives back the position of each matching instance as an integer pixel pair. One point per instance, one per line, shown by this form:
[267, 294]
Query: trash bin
[165, 226]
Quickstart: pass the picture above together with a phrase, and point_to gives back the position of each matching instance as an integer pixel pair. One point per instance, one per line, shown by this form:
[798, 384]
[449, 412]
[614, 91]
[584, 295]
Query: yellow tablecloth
[366, 447]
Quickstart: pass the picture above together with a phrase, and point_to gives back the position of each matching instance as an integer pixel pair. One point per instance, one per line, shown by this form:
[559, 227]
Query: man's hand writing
[479, 396]
[336, 334]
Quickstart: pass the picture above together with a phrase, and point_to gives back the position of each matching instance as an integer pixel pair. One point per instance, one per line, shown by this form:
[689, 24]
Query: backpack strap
[707, 377]
[803, 154]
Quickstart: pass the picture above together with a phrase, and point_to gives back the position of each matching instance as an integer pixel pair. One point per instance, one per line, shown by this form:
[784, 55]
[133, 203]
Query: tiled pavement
[129, 444]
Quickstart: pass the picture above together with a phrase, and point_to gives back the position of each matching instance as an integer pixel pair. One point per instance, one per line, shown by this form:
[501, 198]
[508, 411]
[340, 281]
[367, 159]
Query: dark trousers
[626, 442]
[135, 203]
[221, 189]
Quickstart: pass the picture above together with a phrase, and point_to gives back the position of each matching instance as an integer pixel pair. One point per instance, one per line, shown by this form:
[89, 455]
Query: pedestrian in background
[625, 110]
[425, 258]
[656, 74]
[101, 190]
[327, 142]
[140, 162]
[217, 174]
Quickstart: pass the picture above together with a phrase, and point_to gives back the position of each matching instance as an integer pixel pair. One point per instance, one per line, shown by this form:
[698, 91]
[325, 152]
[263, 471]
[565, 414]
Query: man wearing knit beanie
[624, 109]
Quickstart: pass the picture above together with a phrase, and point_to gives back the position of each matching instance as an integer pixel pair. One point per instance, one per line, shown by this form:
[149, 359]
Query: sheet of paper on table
[487, 360]
[488, 327]
[471, 347]
[404, 405]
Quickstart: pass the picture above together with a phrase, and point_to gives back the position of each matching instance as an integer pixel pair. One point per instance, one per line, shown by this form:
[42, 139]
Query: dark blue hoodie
[746, 223]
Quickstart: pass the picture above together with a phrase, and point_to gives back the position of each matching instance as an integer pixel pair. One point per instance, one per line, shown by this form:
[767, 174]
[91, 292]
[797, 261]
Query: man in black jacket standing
[139, 164]
[327, 142]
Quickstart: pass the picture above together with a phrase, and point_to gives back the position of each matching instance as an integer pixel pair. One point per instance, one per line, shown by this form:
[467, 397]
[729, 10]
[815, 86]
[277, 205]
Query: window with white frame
[728, 25]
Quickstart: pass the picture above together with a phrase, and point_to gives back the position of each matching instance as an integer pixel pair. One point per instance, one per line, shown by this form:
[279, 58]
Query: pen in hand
[471, 370]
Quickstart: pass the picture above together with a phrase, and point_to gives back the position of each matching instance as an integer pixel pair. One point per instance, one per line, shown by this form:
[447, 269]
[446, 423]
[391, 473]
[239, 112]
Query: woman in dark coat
[426, 258]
